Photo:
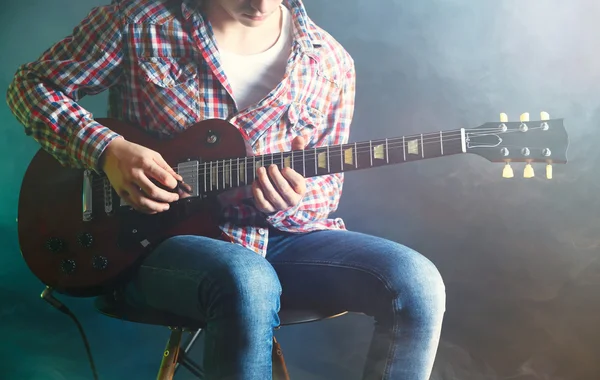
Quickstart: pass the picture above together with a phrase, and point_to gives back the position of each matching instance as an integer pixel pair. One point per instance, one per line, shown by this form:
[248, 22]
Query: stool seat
[111, 307]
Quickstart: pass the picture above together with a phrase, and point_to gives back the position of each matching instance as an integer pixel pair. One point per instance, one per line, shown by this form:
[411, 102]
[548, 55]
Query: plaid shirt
[161, 65]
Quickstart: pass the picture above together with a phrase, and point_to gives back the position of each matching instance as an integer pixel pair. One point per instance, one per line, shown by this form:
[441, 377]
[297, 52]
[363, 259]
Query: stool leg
[169, 360]
[280, 371]
[188, 345]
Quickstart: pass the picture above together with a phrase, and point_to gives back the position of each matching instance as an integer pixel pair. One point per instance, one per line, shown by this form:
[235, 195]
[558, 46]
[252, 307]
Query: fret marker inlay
[348, 157]
[413, 147]
[378, 152]
[322, 159]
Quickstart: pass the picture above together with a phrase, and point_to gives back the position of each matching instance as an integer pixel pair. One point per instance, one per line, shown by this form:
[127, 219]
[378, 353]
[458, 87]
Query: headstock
[543, 140]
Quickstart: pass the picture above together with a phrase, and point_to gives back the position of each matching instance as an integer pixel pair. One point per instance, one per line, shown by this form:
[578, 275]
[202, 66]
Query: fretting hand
[131, 168]
[278, 190]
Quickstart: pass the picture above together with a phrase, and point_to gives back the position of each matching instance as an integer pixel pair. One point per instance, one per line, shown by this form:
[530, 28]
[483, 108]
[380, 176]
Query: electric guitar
[78, 237]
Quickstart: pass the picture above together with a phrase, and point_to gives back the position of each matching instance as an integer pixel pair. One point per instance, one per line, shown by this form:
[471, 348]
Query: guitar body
[86, 258]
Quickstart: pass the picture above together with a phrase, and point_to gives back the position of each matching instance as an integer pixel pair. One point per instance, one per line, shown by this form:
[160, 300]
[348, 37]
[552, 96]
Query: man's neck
[237, 38]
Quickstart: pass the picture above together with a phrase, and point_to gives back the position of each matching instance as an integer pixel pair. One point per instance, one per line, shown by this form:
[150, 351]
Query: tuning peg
[524, 120]
[549, 171]
[507, 172]
[528, 172]
[503, 118]
[544, 117]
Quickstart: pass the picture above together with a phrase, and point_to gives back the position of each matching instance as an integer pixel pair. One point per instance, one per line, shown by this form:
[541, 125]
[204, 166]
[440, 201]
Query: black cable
[48, 297]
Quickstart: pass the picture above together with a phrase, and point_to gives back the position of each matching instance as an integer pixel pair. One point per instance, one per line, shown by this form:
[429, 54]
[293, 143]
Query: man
[286, 84]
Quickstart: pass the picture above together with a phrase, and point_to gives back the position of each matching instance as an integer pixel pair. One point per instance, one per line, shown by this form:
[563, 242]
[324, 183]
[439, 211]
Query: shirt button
[261, 231]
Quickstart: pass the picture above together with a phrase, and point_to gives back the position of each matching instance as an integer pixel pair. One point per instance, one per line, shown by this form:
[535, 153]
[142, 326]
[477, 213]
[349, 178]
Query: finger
[138, 200]
[163, 164]
[154, 192]
[259, 199]
[298, 143]
[270, 193]
[184, 190]
[287, 193]
[162, 175]
[295, 180]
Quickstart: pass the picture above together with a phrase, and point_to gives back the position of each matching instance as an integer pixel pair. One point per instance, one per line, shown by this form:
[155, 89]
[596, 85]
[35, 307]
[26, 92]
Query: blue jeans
[238, 294]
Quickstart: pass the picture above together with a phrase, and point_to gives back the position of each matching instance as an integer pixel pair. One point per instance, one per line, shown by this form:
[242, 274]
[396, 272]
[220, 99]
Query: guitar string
[335, 153]
[311, 154]
[362, 147]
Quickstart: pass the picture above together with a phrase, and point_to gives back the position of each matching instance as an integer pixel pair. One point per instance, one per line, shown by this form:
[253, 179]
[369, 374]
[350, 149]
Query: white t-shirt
[252, 77]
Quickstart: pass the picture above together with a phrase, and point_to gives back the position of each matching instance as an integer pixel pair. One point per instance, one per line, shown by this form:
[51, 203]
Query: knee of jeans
[419, 288]
[250, 287]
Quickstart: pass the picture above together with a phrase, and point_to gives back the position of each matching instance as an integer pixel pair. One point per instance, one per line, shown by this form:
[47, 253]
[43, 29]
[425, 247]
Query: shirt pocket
[170, 92]
[306, 121]
[168, 72]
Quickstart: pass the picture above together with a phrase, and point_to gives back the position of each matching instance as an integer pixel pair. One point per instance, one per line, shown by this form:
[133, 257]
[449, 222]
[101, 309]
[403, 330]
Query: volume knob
[55, 244]
[68, 266]
[85, 240]
[99, 262]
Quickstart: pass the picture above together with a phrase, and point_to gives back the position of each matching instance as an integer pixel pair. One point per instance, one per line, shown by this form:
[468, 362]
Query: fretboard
[236, 172]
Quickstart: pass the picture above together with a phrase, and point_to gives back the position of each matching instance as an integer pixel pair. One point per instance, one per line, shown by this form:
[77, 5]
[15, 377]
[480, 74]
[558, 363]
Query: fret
[224, 173]
[387, 152]
[404, 148]
[282, 163]
[205, 178]
[245, 170]
[355, 156]
[342, 156]
[316, 162]
[211, 176]
[328, 161]
[371, 151]
[422, 147]
[441, 144]
[238, 168]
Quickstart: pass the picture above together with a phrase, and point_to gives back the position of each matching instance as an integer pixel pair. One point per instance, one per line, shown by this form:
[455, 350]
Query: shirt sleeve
[323, 192]
[43, 95]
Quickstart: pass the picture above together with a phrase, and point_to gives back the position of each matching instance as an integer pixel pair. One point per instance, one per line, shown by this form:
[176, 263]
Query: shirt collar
[305, 32]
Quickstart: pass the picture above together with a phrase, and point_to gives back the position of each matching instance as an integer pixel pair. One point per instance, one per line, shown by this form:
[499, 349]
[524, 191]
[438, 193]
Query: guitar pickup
[189, 187]
[86, 196]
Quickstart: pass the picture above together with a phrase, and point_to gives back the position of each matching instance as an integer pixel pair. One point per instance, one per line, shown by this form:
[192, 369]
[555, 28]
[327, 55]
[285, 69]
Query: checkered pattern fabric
[160, 63]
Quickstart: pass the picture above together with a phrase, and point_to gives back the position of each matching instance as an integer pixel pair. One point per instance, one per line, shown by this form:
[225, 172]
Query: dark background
[519, 257]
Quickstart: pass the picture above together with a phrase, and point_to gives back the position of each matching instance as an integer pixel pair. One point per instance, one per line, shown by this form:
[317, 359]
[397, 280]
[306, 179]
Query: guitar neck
[236, 172]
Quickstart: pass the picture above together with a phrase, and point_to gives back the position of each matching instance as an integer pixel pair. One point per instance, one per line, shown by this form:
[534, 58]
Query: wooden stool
[174, 356]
